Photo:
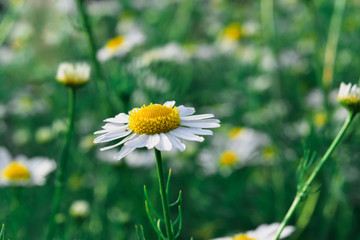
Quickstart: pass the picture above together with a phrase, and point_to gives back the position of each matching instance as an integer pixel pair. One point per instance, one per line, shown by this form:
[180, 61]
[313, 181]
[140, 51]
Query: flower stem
[302, 192]
[100, 82]
[91, 41]
[332, 42]
[164, 201]
[60, 174]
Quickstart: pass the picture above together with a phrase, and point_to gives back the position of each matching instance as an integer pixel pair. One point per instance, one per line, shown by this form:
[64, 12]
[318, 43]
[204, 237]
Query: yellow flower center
[16, 171]
[228, 158]
[233, 31]
[320, 119]
[242, 237]
[234, 132]
[114, 43]
[153, 119]
[350, 102]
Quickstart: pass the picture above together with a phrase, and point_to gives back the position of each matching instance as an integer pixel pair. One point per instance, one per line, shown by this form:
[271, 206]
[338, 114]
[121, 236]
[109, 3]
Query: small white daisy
[20, 171]
[156, 125]
[121, 45]
[73, 75]
[172, 52]
[242, 147]
[349, 96]
[263, 232]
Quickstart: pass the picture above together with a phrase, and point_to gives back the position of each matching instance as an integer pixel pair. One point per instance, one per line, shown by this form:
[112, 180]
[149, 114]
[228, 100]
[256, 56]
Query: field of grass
[270, 71]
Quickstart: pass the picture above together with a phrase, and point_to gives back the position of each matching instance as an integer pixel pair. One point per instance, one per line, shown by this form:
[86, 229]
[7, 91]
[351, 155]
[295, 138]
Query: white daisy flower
[20, 171]
[73, 75]
[172, 52]
[263, 232]
[121, 45]
[242, 147]
[349, 96]
[156, 125]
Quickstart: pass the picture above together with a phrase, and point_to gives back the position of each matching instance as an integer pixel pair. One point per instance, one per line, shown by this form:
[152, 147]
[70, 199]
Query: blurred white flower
[24, 104]
[204, 52]
[121, 45]
[20, 171]
[170, 52]
[137, 159]
[44, 135]
[263, 232]
[242, 147]
[80, 209]
[73, 75]
[6, 55]
[315, 99]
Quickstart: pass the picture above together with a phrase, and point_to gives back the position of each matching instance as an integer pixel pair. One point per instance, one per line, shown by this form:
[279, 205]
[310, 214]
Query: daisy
[73, 75]
[263, 232]
[20, 171]
[156, 126]
[349, 96]
[120, 45]
[171, 52]
[239, 148]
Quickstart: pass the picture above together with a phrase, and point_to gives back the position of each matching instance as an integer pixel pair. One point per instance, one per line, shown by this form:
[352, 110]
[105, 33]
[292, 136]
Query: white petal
[138, 142]
[176, 142]
[109, 128]
[186, 135]
[119, 143]
[288, 230]
[112, 135]
[120, 118]
[152, 141]
[209, 123]
[39, 168]
[197, 117]
[164, 143]
[123, 152]
[185, 111]
[196, 131]
[169, 104]
[5, 157]
[103, 55]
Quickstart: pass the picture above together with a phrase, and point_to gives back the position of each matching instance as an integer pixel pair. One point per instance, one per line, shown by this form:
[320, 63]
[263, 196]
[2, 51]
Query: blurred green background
[259, 71]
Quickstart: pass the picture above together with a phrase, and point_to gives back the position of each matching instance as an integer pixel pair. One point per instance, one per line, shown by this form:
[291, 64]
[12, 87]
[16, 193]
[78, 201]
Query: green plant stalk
[9, 19]
[91, 41]
[164, 201]
[301, 193]
[332, 42]
[62, 166]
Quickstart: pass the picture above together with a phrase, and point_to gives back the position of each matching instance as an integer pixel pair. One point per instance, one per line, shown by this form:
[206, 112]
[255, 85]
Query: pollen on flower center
[242, 237]
[16, 171]
[115, 42]
[228, 158]
[153, 119]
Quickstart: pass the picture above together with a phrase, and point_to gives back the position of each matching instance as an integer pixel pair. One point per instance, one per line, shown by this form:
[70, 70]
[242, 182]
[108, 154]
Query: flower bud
[349, 96]
[73, 75]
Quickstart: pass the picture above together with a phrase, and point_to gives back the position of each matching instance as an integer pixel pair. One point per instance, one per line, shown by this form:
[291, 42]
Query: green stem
[100, 82]
[61, 171]
[304, 189]
[164, 201]
[332, 42]
[91, 41]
